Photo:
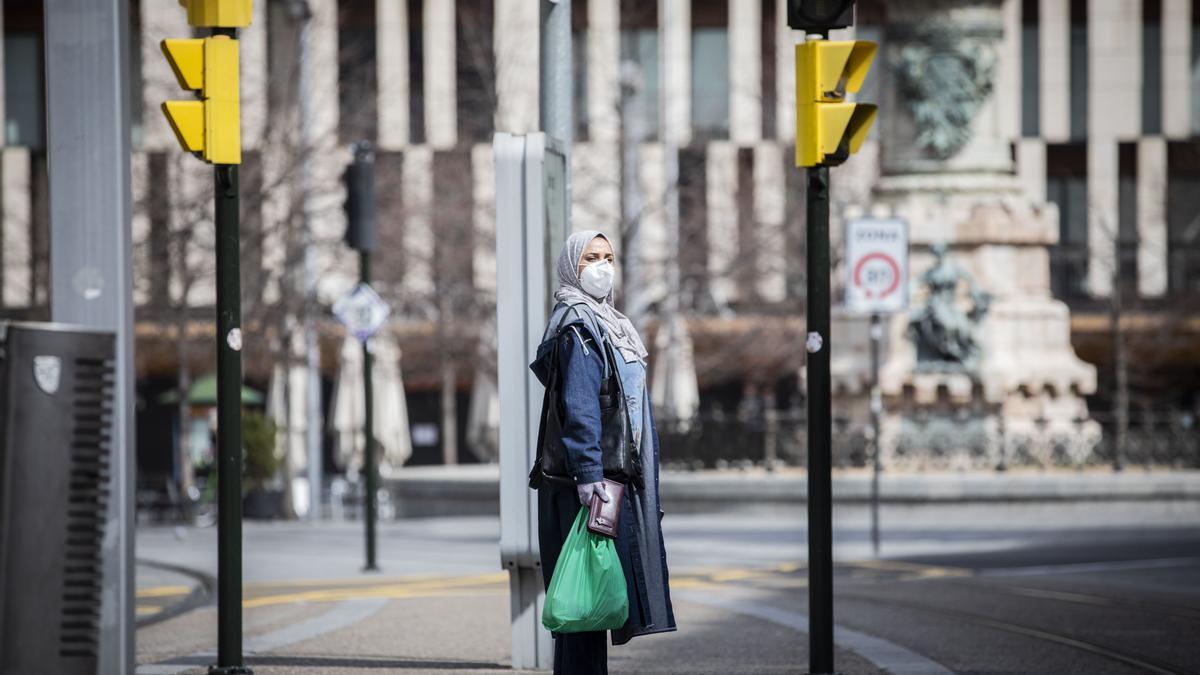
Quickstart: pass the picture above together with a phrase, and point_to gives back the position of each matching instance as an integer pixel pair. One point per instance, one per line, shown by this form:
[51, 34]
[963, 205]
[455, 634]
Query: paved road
[1099, 588]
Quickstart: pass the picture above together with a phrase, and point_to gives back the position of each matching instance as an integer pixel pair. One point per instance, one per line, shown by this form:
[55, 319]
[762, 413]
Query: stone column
[1177, 87]
[1008, 71]
[1114, 68]
[785, 75]
[160, 20]
[1103, 224]
[1054, 49]
[418, 229]
[253, 74]
[676, 89]
[721, 182]
[516, 48]
[441, 78]
[391, 68]
[769, 187]
[603, 70]
[1152, 216]
[483, 181]
[3, 88]
[16, 223]
[745, 72]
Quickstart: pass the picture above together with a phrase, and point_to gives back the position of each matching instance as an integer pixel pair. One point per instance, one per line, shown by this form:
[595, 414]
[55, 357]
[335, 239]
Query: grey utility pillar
[531, 225]
[87, 110]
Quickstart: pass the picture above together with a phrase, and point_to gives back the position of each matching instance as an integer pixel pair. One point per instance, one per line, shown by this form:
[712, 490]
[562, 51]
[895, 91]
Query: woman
[588, 319]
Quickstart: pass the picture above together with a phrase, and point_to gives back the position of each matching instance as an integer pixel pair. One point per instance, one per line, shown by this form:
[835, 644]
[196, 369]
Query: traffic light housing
[828, 128]
[359, 179]
[218, 13]
[211, 126]
[820, 16]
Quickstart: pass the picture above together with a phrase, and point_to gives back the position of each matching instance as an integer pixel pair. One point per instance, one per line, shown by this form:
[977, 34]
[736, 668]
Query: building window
[693, 227]
[579, 62]
[639, 47]
[710, 69]
[136, 81]
[1151, 66]
[1066, 186]
[476, 69]
[1079, 69]
[1127, 217]
[1183, 217]
[416, 72]
[768, 58]
[357, 90]
[1195, 68]
[24, 75]
[1031, 73]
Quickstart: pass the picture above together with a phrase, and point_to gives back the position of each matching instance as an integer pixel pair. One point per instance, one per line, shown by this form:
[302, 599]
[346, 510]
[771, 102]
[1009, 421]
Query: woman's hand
[585, 492]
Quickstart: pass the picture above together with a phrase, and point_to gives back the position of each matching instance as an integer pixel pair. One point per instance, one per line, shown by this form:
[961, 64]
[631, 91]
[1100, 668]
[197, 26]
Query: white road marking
[886, 655]
[343, 614]
[1074, 568]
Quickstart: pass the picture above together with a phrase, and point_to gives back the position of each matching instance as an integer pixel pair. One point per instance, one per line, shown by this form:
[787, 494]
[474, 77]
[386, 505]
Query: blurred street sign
[876, 265]
[362, 312]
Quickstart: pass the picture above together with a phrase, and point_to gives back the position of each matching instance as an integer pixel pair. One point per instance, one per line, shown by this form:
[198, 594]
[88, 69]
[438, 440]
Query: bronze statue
[945, 335]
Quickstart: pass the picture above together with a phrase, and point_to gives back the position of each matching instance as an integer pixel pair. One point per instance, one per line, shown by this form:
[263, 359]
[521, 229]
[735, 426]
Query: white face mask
[597, 279]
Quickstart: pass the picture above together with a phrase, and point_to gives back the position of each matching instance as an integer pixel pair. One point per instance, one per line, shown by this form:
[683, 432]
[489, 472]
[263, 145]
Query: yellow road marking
[163, 591]
[432, 586]
[144, 610]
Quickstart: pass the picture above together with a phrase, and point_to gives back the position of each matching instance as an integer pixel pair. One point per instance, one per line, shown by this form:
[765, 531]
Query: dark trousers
[581, 653]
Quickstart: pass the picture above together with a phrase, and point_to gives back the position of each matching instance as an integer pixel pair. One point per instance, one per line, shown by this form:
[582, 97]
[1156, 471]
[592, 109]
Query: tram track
[1144, 663]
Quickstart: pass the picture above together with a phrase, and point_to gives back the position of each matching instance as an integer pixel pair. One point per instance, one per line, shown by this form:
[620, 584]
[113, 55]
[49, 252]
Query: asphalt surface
[1051, 588]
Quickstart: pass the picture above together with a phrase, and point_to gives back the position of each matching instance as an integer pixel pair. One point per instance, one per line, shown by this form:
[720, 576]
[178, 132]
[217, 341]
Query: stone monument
[981, 371]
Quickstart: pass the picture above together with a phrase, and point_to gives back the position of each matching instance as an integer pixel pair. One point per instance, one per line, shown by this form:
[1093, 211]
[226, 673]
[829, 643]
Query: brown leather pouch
[603, 517]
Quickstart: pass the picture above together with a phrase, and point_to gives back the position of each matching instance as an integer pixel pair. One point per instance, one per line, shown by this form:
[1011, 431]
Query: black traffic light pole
[818, 17]
[820, 527]
[229, 419]
[368, 426]
[360, 235]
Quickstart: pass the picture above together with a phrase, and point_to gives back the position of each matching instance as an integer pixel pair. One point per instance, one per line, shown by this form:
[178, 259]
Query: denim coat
[639, 541]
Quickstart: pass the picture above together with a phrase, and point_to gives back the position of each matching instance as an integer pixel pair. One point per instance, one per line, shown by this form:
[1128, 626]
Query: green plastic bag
[587, 591]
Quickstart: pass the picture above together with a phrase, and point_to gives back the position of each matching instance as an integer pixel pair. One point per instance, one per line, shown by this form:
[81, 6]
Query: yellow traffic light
[218, 13]
[211, 126]
[828, 129]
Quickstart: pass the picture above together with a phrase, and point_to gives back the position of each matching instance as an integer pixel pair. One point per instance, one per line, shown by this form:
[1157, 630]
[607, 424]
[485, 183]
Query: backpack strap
[588, 317]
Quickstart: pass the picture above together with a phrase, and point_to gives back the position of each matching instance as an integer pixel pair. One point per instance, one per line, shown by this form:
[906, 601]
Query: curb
[474, 489]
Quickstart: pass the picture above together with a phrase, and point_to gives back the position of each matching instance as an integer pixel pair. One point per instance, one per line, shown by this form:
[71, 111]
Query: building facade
[1098, 102]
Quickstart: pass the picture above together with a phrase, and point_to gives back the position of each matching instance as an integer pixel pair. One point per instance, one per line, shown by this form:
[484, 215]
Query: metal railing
[1159, 438]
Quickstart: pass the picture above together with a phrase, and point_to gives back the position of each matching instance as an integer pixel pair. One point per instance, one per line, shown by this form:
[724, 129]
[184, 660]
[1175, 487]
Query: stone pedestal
[948, 171]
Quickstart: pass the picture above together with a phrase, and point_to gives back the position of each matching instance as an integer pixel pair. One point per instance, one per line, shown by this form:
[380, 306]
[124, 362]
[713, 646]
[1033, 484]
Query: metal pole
[556, 93]
[820, 528]
[91, 271]
[369, 428]
[229, 424]
[876, 415]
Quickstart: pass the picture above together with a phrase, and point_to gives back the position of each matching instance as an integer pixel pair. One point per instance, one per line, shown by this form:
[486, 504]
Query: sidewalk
[474, 488]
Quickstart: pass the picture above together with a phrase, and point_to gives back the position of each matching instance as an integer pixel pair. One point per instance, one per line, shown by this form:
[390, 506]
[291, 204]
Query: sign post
[877, 284]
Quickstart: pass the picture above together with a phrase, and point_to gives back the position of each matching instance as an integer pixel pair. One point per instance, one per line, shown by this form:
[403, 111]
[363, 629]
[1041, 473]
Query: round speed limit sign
[877, 265]
[877, 275]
